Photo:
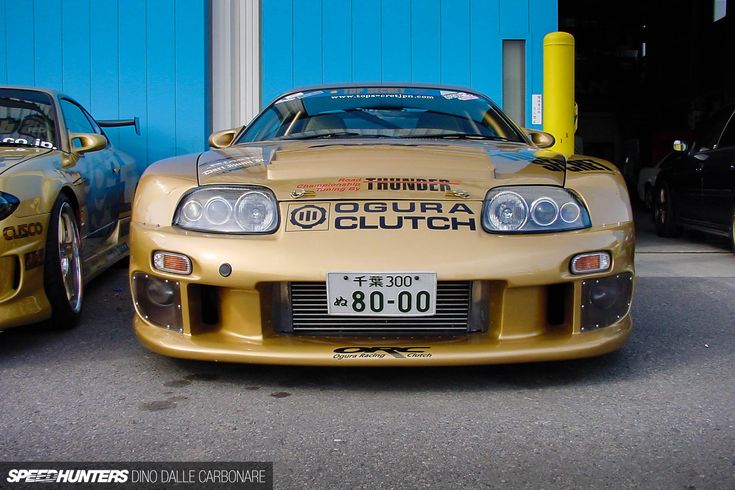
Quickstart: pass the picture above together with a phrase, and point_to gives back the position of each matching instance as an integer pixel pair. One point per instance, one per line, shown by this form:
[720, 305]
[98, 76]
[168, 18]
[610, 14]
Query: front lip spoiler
[474, 349]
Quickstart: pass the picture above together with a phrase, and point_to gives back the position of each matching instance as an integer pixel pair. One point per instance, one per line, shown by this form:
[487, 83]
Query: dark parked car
[695, 188]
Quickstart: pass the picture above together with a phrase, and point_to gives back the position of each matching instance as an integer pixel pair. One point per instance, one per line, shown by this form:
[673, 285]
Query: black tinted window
[27, 118]
[709, 133]
[728, 136]
[76, 120]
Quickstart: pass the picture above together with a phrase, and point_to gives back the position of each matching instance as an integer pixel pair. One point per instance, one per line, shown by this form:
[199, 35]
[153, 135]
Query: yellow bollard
[559, 90]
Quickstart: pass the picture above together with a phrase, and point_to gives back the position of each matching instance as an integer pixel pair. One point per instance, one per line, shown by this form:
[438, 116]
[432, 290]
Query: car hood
[12, 156]
[369, 170]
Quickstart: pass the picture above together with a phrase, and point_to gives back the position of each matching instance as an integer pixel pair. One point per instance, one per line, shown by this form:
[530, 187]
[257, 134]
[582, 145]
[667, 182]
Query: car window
[728, 136]
[709, 133]
[27, 118]
[382, 112]
[76, 120]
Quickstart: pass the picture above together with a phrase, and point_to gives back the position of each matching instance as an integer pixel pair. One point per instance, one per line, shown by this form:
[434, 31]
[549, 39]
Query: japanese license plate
[381, 293]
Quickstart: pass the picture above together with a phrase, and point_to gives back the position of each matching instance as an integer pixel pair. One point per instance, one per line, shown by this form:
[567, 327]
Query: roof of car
[44, 90]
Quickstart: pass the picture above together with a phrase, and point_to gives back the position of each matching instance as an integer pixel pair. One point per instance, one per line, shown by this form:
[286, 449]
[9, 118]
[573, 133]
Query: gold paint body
[516, 269]
[36, 176]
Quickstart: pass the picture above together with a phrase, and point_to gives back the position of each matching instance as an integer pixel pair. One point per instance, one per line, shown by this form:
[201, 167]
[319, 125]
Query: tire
[732, 229]
[663, 212]
[63, 279]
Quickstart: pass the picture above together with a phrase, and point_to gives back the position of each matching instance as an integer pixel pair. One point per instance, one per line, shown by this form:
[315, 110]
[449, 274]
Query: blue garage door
[119, 58]
[457, 42]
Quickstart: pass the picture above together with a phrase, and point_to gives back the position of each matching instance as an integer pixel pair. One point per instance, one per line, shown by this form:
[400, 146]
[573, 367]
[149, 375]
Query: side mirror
[540, 138]
[87, 142]
[223, 139]
[680, 146]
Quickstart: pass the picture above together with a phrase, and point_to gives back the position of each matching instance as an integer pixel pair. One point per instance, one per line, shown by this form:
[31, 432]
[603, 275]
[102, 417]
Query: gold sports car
[381, 225]
[65, 199]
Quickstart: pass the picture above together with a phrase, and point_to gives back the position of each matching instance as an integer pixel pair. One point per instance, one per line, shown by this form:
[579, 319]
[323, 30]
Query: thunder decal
[381, 215]
[22, 231]
[408, 184]
[345, 184]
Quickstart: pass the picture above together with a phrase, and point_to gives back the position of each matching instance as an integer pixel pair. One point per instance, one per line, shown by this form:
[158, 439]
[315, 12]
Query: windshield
[27, 119]
[381, 112]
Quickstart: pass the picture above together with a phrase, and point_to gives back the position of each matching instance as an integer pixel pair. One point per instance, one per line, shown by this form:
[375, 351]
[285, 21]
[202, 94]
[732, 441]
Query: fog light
[605, 300]
[161, 293]
[171, 262]
[589, 263]
[158, 301]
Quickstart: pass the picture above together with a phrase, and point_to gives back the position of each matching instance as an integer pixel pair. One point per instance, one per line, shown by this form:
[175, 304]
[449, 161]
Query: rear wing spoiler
[118, 123]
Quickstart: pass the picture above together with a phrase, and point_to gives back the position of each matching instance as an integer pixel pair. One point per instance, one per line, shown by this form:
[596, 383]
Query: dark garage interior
[648, 73]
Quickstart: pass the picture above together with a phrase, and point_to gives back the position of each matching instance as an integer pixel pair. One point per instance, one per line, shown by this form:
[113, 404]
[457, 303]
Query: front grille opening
[209, 305]
[308, 314]
[204, 313]
[557, 296]
[9, 275]
[16, 273]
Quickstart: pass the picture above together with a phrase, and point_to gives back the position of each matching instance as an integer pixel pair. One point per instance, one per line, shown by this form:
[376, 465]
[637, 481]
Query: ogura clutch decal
[381, 215]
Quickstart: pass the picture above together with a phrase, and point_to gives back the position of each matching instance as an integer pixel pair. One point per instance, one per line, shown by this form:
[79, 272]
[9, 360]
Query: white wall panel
[235, 62]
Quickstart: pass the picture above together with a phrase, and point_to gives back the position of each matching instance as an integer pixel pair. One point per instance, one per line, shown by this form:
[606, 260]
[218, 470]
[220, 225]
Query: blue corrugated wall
[118, 58]
[457, 42]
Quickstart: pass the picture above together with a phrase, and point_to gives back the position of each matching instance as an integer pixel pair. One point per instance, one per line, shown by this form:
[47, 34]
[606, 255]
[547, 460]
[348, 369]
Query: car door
[718, 179]
[100, 172]
[688, 192]
[685, 184]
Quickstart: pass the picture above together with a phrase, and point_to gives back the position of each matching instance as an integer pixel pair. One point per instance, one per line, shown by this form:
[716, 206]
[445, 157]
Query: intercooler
[304, 312]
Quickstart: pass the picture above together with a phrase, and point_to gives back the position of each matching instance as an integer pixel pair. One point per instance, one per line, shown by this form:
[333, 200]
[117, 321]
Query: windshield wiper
[336, 134]
[458, 136]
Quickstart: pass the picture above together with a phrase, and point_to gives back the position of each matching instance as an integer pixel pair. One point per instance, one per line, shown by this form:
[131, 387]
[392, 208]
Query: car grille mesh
[309, 316]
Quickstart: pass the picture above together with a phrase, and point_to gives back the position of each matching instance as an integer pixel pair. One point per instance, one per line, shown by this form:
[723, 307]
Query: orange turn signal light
[171, 262]
[589, 263]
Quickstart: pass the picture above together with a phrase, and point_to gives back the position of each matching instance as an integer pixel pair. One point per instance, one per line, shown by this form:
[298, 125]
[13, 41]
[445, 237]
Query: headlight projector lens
[569, 212]
[253, 212]
[508, 211]
[544, 211]
[218, 210]
[193, 211]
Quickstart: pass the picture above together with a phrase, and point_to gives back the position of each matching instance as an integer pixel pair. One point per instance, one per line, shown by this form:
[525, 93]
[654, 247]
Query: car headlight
[8, 204]
[248, 209]
[533, 209]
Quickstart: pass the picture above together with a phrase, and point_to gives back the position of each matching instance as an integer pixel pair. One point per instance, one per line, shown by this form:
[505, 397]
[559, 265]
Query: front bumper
[22, 295]
[519, 270]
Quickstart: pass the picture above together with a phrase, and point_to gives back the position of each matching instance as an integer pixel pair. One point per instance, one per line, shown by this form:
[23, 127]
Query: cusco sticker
[22, 231]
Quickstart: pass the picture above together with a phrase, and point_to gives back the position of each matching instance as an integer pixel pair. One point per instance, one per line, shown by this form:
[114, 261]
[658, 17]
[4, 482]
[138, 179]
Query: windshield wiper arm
[336, 134]
[458, 136]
